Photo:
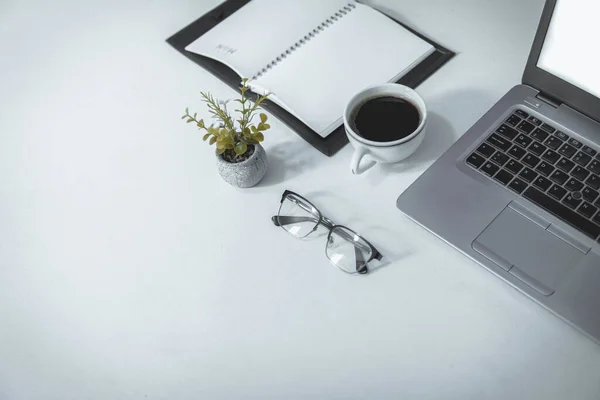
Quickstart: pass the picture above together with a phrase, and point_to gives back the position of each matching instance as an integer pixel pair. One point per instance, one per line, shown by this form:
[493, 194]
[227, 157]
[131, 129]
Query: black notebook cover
[335, 140]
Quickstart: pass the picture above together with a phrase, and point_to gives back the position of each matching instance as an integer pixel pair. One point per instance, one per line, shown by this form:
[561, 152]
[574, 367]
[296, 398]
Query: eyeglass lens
[297, 216]
[347, 251]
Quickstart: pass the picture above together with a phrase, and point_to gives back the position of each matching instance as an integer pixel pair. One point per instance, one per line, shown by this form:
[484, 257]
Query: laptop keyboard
[545, 166]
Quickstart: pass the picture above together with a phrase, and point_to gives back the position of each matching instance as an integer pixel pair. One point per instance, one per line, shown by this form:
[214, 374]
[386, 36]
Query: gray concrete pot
[247, 173]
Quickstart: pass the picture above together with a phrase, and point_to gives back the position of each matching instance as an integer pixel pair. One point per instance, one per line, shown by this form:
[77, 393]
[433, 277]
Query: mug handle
[359, 153]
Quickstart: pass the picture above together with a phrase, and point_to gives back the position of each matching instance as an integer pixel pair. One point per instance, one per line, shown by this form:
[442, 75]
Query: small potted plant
[241, 160]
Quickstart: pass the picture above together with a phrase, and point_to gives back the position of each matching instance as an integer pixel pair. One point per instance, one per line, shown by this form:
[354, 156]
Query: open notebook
[312, 55]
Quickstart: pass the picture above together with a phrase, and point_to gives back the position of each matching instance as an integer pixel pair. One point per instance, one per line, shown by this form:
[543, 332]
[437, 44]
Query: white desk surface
[129, 270]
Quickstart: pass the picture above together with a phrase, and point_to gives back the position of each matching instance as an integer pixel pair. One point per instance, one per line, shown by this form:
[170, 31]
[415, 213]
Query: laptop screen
[570, 51]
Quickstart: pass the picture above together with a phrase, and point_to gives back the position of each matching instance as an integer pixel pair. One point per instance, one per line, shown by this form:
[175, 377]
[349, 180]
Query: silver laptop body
[496, 195]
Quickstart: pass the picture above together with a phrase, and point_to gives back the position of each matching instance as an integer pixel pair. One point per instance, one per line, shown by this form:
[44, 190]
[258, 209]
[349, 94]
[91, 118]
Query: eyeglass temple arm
[281, 220]
[361, 265]
[377, 255]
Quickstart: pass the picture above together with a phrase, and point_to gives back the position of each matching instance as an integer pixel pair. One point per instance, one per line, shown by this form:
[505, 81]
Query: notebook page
[260, 31]
[362, 48]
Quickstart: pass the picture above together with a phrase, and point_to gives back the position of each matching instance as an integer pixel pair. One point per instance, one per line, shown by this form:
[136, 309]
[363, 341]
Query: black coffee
[386, 119]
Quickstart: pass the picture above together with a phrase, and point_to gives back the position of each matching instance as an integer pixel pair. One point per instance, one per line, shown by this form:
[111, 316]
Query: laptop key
[514, 166]
[580, 173]
[528, 175]
[523, 140]
[547, 128]
[593, 181]
[553, 142]
[499, 158]
[558, 192]
[589, 151]
[551, 156]
[521, 114]
[595, 166]
[513, 120]
[596, 219]
[503, 176]
[499, 142]
[475, 160]
[544, 168]
[562, 212]
[565, 164]
[575, 143]
[567, 150]
[582, 159]
[534, 120]
[573, 185]
[486, 150]
[561, 135]
[571, 201]
[507, 131]
[539, 135]
[542, 183]
[517, 152]
[517, 185]
[587, 210]
[530, 160]
[589, 194]
[537, 148]
[526, 127]
[489, 168]
[559, 177]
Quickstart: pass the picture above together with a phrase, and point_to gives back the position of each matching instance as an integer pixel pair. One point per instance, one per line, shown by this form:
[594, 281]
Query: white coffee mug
[383, 152]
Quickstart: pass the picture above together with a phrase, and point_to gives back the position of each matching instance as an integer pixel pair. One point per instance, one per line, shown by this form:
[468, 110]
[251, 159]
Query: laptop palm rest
[526, 249]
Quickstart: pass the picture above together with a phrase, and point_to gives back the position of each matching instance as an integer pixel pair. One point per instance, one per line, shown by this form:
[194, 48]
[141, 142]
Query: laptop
[519, 192]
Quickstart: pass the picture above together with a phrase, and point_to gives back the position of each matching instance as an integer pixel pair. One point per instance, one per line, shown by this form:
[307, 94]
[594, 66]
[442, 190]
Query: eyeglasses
[344, 248]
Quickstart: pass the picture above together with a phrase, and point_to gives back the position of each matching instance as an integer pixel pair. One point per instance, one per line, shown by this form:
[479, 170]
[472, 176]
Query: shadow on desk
[287, 160]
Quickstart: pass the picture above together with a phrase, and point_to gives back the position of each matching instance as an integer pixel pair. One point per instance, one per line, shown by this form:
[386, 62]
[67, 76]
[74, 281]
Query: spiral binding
[321, 27]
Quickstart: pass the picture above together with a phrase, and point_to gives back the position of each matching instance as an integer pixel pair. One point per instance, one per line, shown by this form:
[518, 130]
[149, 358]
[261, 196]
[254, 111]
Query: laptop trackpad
[527, 250]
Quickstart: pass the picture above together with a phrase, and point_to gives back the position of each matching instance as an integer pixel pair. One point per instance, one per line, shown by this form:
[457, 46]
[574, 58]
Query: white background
[569, 50]
[129, 270]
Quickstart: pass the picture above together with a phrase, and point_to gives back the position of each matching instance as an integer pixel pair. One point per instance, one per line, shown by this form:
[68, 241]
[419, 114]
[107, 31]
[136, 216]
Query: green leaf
[187, 111]
[253, 128]
[201, 123]
[266, 126]
[251, 141]
[247, 133]
[206, 137]
[240, 148]
[225, 141]
[184, 117]
[190, 120]
[212, 139]
[221, 150]
[223, 131]
[263, 117]
[261, 126]
[259, 136]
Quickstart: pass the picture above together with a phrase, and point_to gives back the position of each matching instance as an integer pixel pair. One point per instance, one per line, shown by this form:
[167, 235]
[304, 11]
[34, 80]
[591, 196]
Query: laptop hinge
[549, 100]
